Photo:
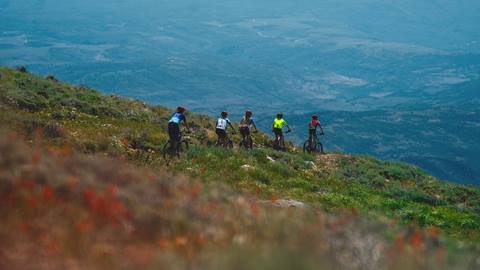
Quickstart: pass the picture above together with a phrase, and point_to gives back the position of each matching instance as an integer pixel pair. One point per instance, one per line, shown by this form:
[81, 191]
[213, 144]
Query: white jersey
[222, 123]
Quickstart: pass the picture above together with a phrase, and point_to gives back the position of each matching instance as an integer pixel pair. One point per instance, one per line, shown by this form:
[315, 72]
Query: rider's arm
[321, 129]
[289, 129]
[186, 124]
[255, 126]
[233, 129]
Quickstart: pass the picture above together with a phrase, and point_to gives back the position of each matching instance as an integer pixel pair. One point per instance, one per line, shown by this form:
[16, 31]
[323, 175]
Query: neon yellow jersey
[278, 123]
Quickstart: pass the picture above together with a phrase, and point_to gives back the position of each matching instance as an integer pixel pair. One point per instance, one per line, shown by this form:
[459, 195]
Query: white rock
[312, 165]
[271, 159]
[246, 167]
[289, 203]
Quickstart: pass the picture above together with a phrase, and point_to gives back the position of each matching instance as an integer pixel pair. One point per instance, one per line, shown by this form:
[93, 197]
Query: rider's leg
[277, 138]
[219, 137]
[177, 137]
[173, 130]
[311, 138]
[248, 138]
[223, 137]
[311, 132]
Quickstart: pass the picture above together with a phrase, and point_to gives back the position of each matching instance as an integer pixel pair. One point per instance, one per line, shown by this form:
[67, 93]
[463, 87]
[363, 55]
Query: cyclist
[245, 124]
[278, 124]
[174, 126]
[312, 126]
[222, 123]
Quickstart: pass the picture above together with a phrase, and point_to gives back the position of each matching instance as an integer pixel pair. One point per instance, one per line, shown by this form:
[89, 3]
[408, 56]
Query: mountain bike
[313, 144]
[225, 142]
[247, 141]
[172, 149]
[279, 142]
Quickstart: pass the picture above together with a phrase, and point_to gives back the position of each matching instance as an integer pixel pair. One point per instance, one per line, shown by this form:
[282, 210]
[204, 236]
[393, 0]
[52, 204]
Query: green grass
[94, 123]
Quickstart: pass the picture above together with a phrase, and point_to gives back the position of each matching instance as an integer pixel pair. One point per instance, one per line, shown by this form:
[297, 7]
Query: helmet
[224, 114]
[180, 109]
[280, 115]
[315, 116]
[248, 113]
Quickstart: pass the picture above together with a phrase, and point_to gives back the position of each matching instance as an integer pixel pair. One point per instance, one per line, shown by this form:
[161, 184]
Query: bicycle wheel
[229, 144]
[167, 152]
[249, 142]
[306, 147]
[182, 147]
[245, 143]
[320, 147]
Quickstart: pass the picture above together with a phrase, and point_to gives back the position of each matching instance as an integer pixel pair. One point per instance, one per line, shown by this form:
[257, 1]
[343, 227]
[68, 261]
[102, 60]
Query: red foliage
[106, 205]
[126, 143]
[48, 194]
[254, 208]
[164, 244]
[72, 181]
[25, 227]
[31, 201]
[399, 242]
[27, 184]
[196, 190]
[7, 198]
[112, 190]
[36, 157]
[416, 239]
[84, 226]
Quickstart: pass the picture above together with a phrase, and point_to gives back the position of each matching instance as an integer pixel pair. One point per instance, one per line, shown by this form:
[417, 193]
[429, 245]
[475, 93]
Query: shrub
[51, 78]
[301, 183]
[398, 172]
[22, 69]
[32, 104]
[260, 176]
[53, 131]
[412, 195]
[89, 147]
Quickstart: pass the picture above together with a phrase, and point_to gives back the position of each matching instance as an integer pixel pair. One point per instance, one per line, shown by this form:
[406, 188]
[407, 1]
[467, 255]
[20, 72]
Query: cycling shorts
[245, 131]
[174, 131]
[221, 133]
[278, 131]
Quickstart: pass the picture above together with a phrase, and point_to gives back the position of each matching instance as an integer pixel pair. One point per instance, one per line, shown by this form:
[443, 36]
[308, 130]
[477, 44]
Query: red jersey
[313, 124]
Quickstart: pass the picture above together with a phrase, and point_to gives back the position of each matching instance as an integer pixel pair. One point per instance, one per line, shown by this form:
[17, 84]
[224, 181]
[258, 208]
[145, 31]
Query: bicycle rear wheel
[306, 147]
[246, 143]
[249, 142]
[167, 152]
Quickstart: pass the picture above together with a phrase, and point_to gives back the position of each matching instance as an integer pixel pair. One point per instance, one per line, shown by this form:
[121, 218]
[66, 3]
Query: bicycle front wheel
[320, 147]
[183, 146]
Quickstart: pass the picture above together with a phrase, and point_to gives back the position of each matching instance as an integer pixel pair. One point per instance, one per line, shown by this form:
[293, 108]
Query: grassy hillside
[69, 119]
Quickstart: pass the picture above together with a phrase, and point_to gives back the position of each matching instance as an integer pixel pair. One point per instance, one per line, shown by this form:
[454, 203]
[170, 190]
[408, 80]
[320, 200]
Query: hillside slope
[77, 119]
